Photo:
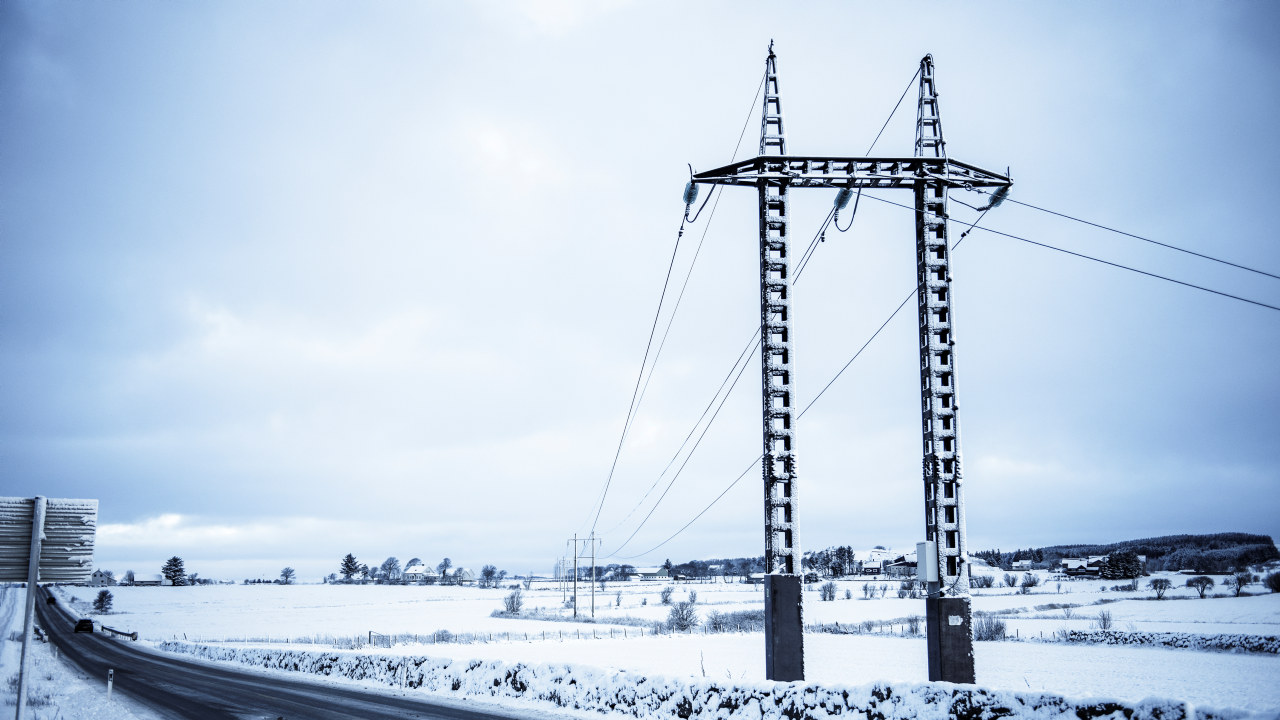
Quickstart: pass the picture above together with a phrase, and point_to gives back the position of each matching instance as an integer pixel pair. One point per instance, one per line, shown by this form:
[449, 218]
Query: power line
[754, 342]
[637, 394]
[1098, 260]
[1136, 237]
[687, 458]
[746, 351]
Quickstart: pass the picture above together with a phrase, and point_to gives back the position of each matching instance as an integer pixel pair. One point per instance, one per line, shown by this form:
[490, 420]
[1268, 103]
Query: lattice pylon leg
[948, 622]
[784, 624]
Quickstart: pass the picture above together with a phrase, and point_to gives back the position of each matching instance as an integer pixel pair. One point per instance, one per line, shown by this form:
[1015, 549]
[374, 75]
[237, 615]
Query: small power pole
[578, 545]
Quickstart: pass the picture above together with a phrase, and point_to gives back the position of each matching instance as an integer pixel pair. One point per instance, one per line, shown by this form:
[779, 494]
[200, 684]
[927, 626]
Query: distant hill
[1203, 553]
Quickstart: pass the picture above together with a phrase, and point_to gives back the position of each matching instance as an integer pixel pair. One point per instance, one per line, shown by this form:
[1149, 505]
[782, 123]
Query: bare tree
[1201, 583]
[390, 569]
[1160, 586]
[1238, 581]
[287, 576]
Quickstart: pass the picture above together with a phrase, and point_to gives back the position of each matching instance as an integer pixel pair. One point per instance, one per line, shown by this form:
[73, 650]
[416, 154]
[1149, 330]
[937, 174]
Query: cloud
[555, 17]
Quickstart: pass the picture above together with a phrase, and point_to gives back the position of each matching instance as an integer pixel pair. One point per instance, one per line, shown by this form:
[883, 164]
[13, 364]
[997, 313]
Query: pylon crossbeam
[852, 172]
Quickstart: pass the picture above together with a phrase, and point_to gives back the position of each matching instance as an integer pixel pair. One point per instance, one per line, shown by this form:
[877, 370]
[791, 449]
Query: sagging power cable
[1100, 226]
[637, 395]
[1095, 259]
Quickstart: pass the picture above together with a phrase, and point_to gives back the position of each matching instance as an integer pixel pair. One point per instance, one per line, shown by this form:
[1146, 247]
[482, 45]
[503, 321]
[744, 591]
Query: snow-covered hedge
[1238, 643]
[587, 688]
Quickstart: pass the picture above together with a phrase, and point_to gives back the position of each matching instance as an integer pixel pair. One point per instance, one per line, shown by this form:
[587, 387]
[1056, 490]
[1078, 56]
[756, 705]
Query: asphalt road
[177, 688]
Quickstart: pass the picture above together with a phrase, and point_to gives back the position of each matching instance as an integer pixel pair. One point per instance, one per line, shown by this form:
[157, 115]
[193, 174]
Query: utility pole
[929, 174]
[593, 574]
[575, 575]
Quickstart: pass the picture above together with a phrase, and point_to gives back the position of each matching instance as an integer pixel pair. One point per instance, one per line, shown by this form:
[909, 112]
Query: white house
[419, 574]
[657, 573]
[150, 580]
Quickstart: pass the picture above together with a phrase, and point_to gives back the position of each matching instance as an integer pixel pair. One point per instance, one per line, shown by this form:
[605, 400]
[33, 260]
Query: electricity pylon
[929, 174]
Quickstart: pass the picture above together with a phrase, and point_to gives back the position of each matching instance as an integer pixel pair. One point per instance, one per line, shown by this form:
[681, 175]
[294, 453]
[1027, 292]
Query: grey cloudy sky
[282, 281]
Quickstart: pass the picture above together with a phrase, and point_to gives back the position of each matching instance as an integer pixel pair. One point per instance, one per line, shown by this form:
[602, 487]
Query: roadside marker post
[111, 678]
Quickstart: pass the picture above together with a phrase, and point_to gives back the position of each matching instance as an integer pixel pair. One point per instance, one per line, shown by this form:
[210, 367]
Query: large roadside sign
[44, 540]
[66, 542]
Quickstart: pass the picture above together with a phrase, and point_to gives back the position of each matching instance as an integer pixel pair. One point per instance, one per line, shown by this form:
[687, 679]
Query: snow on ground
[248, 615]
[55, 689]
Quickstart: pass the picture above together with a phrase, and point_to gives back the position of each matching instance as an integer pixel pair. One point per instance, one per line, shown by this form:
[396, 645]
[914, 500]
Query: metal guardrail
[120, 633]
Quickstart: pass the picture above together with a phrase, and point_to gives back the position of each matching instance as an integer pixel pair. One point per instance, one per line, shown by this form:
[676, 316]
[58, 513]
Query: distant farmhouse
[1087, 566]
[874, 562]
[420, 574]
[101, 578]
[152, 580]
[647, 574]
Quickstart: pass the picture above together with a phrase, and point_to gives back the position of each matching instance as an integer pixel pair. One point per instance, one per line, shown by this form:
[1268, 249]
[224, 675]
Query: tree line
[1215, 553]
[390, 572]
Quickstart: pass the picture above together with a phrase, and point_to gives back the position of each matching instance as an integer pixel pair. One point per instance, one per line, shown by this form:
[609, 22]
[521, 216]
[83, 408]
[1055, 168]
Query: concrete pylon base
[949, 624]
[783, 628]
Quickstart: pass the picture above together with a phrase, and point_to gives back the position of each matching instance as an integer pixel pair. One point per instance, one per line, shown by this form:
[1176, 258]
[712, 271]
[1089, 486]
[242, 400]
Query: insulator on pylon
[690, 193]
[843, 197]
[998, 197]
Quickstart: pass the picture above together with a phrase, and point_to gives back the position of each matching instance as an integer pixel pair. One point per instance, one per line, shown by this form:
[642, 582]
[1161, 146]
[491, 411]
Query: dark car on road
[85, 625]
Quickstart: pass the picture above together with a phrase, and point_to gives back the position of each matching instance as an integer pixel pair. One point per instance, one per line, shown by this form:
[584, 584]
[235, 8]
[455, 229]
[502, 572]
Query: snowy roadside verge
[56, 688]
[642, 696]
[1268, 644]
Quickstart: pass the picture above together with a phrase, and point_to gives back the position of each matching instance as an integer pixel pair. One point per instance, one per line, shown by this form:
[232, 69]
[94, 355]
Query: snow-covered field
[274, 615]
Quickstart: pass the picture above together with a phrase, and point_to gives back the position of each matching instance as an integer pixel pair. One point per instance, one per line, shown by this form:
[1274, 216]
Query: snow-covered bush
[982, 581]
[828, 591]
[682, 617]
[1272, 582]
[513, 602]
[1104, 621]
[1029, 581]
[987, 627]
[666, 595]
